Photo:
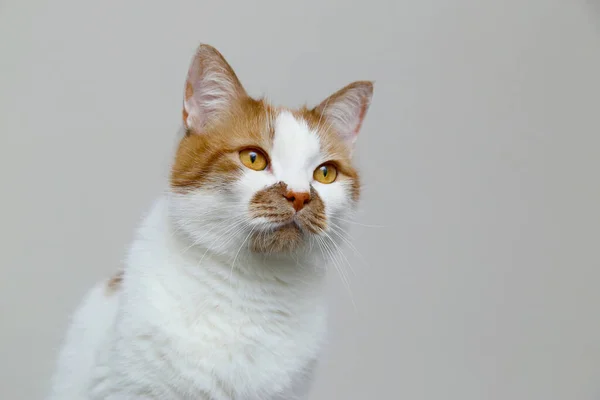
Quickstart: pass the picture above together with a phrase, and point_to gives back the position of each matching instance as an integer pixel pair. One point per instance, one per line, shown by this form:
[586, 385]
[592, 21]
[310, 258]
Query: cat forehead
[294, 142]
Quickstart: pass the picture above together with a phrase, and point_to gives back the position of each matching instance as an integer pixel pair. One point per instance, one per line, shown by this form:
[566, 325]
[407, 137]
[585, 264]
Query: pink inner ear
[348, 118]
[351, 135]
[346, 109]
[189, 91]
[361, 117]
[211, 89]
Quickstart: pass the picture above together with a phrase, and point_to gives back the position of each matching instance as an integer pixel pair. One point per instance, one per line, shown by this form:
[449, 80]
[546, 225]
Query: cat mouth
[284, 238]
[281, 225]
[298, 221]
[293, 224]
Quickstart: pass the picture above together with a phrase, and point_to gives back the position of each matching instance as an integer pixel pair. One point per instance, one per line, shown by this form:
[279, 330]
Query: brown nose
[298, 200]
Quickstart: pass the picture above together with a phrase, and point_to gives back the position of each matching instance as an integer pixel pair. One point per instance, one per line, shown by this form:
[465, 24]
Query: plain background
[480, 156]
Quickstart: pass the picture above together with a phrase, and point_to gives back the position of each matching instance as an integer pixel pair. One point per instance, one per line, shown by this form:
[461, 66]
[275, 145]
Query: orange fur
[211, 157]
[114, 283]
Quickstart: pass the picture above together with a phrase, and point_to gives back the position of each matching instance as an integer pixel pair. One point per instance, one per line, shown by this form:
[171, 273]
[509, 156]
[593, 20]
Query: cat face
[249, 175]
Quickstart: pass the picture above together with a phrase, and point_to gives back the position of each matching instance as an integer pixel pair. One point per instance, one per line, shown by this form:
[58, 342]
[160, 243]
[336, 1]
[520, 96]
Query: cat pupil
[253, 157]
[324, 171]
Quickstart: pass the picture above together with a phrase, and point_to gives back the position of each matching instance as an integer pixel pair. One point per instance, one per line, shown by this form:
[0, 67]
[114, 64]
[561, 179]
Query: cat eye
[253, 159]
[326, 173]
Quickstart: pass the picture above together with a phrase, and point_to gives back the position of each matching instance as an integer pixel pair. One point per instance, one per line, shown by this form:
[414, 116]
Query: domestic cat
[223, 291]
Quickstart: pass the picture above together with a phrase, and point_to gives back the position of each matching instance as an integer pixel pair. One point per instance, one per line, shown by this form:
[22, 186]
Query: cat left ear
[211, 90]
[346, 109]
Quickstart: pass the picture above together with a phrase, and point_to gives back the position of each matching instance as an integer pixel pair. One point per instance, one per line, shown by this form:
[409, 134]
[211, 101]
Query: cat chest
[247, 355]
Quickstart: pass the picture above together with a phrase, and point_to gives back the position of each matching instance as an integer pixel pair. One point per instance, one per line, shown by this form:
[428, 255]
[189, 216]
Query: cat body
[223, 292]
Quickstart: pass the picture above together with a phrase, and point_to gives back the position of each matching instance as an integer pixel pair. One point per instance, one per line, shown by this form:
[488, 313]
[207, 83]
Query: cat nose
[298, 199]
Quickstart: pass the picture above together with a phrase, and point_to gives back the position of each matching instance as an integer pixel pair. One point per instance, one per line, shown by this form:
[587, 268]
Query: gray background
[480, 157]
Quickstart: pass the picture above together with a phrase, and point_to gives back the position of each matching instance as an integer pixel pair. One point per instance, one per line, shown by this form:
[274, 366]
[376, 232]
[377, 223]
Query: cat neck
[171, 253]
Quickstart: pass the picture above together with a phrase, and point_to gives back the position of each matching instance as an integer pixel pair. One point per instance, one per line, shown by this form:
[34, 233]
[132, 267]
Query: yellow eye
[326, 173]
[253, 159]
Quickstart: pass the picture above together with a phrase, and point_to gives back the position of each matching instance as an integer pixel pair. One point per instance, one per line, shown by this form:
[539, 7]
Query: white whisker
[357, 223]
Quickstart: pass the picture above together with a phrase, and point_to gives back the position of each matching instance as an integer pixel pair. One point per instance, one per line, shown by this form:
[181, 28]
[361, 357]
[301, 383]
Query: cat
[223, 291]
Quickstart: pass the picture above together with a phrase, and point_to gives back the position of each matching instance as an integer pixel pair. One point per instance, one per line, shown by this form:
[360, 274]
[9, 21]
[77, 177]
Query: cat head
[250, 175]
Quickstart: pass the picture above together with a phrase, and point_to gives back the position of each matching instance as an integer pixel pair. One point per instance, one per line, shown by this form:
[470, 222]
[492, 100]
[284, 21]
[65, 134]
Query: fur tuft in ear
[211, 89]
[345, 110]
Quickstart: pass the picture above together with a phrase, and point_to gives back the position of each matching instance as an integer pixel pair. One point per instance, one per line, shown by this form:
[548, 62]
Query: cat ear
[345, 110]
[211, 89]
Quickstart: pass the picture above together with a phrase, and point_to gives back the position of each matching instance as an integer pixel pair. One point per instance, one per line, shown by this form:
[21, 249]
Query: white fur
[296, 152]
[199, 316]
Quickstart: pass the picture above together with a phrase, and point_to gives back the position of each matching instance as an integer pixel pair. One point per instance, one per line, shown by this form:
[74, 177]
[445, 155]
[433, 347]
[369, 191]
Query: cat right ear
[211, 90]
[346, 109]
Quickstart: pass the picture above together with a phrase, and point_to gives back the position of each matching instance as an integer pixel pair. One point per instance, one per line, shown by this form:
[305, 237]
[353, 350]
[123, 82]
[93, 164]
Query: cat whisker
[234, 227]
[357, 223]
[340, 232]
[201, 217]
[237, 254]
[338, 267]
[336, 247]
[198, 240]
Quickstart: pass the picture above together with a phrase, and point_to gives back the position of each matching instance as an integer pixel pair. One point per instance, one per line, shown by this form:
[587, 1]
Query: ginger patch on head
[211, 158]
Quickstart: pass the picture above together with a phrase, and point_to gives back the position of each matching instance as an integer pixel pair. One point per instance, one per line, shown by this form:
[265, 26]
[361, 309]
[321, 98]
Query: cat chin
[285, 238]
